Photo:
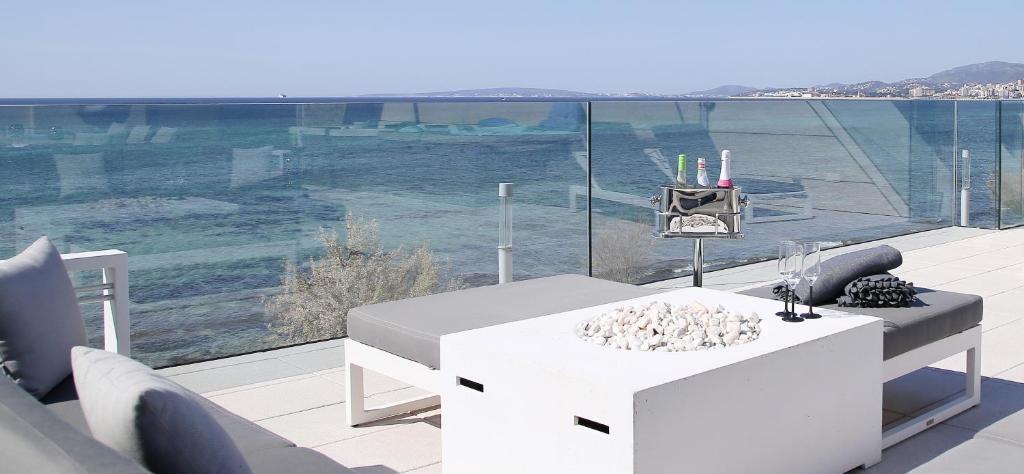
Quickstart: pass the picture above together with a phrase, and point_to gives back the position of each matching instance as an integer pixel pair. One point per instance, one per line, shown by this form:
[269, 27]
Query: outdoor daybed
[401, 339]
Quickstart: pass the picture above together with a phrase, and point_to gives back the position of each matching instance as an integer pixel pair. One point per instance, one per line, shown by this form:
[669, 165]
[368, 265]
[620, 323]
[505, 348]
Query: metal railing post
[504, 233]
[965, 189]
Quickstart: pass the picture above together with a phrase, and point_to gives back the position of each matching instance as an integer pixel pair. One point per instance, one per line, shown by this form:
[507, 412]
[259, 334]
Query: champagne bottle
[681, 172]
[702, 173]
[725, 179]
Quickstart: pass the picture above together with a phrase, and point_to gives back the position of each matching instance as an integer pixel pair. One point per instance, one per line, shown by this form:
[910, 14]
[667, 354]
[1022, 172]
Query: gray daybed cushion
[412, 328]
[840, 270]
[934, 316]
[150, 419]
[39, 318]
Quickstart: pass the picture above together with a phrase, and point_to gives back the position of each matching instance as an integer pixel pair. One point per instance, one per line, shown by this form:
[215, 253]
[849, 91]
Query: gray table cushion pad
[935, 315]
[412, 328]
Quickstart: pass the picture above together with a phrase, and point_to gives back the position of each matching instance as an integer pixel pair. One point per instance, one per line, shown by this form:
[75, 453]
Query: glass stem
[810, 299]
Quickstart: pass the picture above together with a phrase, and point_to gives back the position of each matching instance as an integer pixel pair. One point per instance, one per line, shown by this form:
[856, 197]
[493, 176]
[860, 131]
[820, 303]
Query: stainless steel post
[965, 189]
[698, 262]
[504, 232]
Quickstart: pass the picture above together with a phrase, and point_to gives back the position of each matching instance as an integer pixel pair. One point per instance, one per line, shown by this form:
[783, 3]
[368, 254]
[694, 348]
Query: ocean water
[210, 199]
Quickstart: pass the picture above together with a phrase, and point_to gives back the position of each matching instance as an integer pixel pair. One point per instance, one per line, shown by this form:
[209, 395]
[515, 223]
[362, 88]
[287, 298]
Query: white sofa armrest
[113, 293]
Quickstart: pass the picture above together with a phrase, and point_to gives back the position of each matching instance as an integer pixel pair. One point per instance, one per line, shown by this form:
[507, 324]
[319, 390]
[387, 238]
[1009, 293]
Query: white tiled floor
[298, 392]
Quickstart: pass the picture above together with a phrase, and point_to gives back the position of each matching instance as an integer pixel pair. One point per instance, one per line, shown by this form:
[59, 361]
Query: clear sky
[213, 48]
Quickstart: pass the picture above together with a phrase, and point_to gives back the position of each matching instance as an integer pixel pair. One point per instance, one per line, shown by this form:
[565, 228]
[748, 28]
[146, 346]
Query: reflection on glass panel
[978, 132]
[833, 171]
[1011, 168]
[211, 201]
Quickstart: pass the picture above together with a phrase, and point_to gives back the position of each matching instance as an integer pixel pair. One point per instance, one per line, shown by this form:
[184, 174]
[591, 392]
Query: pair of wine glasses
[798, 261]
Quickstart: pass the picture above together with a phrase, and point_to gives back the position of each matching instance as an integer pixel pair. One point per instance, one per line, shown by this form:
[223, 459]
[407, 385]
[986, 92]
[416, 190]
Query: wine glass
[794, 269]
[811, 271]
[785, 268]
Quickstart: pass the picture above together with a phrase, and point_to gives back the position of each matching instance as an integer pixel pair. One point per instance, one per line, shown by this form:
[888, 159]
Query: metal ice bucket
[722, 205]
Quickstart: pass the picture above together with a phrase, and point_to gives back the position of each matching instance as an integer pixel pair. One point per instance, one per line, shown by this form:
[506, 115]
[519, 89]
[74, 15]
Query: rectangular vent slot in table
[470, 384]
[601, 427]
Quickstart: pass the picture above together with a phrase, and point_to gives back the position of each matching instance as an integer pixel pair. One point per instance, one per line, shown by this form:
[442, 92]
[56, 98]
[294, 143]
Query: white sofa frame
[112, 292]
[360, 356]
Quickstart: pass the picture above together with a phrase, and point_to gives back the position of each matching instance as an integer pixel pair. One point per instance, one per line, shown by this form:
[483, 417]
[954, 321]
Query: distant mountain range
[495, 92]
[992, 72]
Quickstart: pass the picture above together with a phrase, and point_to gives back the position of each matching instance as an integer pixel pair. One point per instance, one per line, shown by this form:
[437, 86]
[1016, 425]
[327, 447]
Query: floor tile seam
[1001, 372]
[361, 435]
[264, 356]
[984, 272]
[270, 418]
[421, 467]
[306, 370]
[997, 326]
[258, 385]
[257, 420]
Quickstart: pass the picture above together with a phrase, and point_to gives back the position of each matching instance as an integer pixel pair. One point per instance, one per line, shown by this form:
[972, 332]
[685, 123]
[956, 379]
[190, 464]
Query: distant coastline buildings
[906, 89]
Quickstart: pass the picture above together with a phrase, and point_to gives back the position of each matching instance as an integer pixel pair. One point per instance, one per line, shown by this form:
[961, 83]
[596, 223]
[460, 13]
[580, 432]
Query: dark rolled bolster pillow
[840, 270]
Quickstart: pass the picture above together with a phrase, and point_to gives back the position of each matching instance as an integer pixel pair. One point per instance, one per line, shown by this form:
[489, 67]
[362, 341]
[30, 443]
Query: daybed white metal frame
[968, 341]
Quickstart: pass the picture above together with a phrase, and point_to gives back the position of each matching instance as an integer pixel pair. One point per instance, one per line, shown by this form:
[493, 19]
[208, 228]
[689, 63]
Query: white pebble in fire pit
[662, 327]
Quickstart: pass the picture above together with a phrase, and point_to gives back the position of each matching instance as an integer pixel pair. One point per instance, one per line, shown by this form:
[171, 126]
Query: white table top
[549, 343]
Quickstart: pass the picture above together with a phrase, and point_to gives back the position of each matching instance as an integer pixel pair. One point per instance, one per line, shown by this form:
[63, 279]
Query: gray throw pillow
[837, 271]
[149, 418]
[39, 318]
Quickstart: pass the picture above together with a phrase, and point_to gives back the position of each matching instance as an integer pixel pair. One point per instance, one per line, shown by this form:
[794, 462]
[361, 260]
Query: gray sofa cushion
[39, 318]
[264, 451]
[34, 440]
[412, 328]
[63, 402]
[935, 315]
[837, 271]
[146, 417]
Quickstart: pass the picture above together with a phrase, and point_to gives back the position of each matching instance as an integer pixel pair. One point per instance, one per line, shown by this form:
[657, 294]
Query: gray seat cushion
[935, 315]
[412, 328]
[63, 402]
[264, 451]
[39, 318]
[150, 419]
[34, 440]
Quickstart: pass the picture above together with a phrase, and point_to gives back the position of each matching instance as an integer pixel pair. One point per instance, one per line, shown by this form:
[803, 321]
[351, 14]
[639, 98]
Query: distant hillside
[723, 91]
[495, 92]
[995, 72]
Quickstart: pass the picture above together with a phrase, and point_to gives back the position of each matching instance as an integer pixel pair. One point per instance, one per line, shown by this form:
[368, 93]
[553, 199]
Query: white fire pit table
[530, 396]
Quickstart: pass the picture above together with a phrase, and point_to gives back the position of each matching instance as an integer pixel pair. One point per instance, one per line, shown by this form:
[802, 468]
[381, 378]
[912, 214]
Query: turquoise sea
[210, 197]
